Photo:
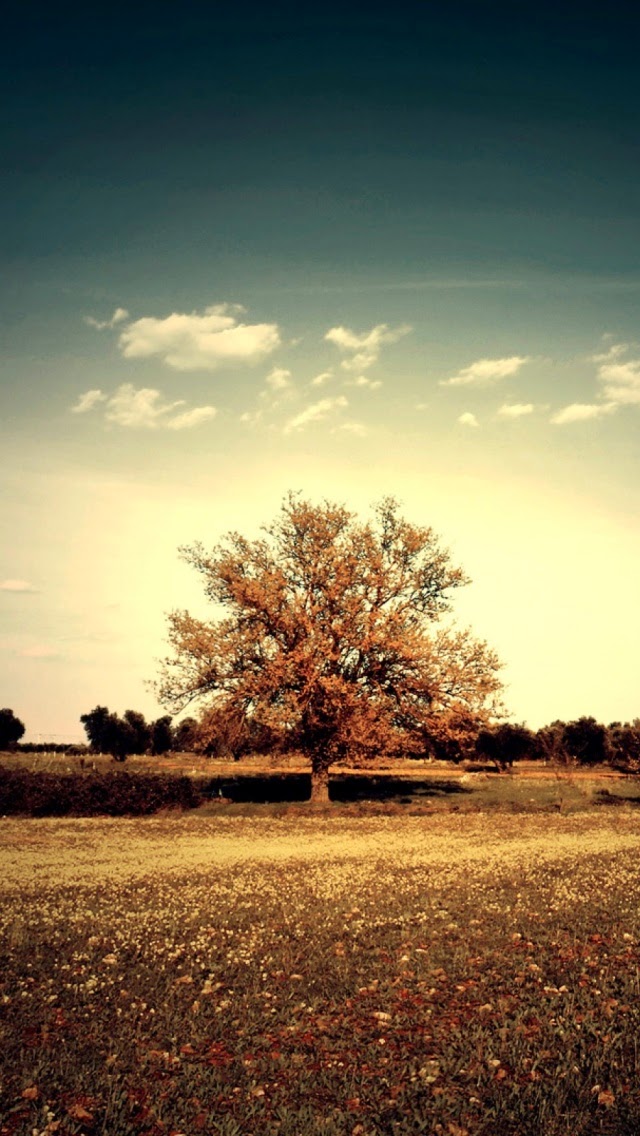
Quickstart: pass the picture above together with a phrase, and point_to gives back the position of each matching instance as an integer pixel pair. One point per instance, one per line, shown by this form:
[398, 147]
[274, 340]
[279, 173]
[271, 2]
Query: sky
[343, 250]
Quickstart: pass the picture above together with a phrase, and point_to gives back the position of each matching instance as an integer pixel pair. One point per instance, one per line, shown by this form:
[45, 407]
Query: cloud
[279, 379]
[515, 409]
[620, 381]
[200, 341]
[118, 316]
[144, 409]
[613, 352]
[16, 586]
[321, 379]
[486, 371]
[468, 419]
[315, 413]
[87, 401]
[192, 417]
[364, 348]
[358, 429]
[363, 381]
[581, 412]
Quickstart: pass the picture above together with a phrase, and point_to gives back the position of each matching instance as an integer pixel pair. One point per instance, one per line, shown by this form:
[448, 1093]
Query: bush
[41, 793]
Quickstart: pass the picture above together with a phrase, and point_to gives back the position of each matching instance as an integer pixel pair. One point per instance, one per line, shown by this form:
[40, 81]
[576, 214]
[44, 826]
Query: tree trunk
[319, 786]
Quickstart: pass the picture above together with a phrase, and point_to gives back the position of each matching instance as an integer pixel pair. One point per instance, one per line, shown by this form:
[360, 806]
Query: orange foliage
[333, 638]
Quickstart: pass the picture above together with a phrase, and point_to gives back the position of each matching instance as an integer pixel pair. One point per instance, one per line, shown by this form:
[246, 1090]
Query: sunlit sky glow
[347, 254]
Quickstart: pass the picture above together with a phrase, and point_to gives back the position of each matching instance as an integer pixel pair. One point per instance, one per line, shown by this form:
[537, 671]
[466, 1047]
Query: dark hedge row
[25, 792]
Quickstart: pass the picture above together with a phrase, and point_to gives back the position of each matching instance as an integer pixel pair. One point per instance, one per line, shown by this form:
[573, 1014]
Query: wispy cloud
[363, 350]
[468, 419]
[484, 372]
[620, 380]
[189, 418]
[358, 429]
[278, 379]
[515, 409]
[368, 384]
[87, 401]
[581, 412]
[619, 386]
[321, 379]
[200, 341]
[16, 586]
[118, 316]
[315, 413]
[144, 409]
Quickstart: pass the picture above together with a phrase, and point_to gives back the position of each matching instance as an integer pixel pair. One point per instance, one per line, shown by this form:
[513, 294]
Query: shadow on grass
[281, 787]
[605, 797]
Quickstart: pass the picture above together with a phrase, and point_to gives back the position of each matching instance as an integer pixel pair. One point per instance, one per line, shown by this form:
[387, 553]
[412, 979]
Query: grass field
[290, 975]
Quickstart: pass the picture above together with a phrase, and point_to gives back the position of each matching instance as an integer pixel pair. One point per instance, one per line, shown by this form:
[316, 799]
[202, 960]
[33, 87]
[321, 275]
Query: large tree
[332, 637]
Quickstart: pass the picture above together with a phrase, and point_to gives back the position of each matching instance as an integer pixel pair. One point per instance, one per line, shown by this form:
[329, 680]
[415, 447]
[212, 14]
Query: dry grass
[462, 975]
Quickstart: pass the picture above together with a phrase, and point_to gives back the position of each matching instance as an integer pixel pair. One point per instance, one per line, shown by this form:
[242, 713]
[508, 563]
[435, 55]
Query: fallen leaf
[79, 1112]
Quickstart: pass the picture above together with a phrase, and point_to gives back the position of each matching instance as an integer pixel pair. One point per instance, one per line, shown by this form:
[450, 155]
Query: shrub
[117, 793]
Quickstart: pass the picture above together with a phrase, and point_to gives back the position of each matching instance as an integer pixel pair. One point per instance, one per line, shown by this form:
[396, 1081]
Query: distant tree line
[583, 742]
[107, 733]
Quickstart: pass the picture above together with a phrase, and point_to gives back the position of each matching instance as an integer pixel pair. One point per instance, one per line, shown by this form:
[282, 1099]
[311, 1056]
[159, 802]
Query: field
[408, 786]
[283, 976]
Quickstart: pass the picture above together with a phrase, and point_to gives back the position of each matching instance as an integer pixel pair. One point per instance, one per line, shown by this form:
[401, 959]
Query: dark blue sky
[464, 134]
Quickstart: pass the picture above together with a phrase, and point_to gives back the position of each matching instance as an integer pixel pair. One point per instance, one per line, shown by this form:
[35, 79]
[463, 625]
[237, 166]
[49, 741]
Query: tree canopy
[333, 638]
[107, 733]
[11, 728]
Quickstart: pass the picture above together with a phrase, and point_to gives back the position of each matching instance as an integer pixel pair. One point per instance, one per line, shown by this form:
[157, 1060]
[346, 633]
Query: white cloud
[251, 417]
[87, 401]
[321, 379]
[620, 381]
[144, 409]
[192, 417]
[515, 409]
[279, 379]
[364, 348]
[421, 405]
[140, 408]
[199, 341]
[16, 586]
[358, 429]
[486, 371]
[315, 413]
[118, 316]
[468, 419]
[363, 381]
[613, 352]
[581, 412]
